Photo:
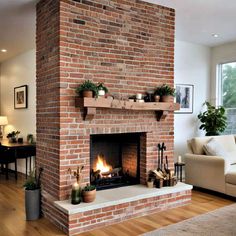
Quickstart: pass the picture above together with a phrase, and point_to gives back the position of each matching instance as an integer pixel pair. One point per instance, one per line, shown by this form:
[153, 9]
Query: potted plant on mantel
[89, 193]
[87, 89]
[165, 92]
[213, 119]
[33, 195]
[102, 89]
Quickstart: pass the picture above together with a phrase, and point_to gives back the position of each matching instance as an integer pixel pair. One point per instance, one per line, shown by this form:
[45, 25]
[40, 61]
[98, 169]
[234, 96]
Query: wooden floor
[12, 216]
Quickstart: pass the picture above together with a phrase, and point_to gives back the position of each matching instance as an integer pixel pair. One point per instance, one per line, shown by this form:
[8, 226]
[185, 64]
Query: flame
[102, 165]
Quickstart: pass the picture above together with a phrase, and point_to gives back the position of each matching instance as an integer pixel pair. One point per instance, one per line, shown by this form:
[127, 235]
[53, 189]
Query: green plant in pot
[165, 92]
[89, 193]
[214, 120]
[33, 195]
[87, 89]
[12, 137]
[102, 89]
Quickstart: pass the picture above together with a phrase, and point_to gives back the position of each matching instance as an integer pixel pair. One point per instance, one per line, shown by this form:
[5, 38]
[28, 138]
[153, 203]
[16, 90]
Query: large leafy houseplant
[214, 120]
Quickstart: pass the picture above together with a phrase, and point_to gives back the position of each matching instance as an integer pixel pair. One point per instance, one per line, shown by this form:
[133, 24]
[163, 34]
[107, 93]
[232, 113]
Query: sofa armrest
[205, 171]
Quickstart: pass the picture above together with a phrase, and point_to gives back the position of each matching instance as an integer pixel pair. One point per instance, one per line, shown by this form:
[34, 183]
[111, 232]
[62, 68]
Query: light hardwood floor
[12, 216]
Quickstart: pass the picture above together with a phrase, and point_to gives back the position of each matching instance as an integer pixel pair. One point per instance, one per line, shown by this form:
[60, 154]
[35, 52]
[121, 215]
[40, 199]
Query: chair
[26, 153]
[7, 156]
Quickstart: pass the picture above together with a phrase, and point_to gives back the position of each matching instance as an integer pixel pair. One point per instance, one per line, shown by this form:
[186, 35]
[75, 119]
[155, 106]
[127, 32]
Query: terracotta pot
[89, 196]
[167, 98]
[87, 94]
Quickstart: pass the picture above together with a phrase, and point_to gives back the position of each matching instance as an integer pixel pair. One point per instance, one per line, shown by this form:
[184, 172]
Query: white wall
[192, 66]
[220, 54]
[20, 70]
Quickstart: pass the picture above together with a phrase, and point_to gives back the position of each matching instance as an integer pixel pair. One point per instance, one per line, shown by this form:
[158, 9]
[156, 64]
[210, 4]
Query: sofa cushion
[227, 141]
[230, 176]
[214, 148]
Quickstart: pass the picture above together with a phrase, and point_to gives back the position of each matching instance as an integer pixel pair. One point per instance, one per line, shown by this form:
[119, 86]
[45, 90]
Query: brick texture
[128, 45]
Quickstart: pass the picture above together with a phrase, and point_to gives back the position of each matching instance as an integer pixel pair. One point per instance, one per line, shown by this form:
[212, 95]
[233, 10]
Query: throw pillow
[214, 148]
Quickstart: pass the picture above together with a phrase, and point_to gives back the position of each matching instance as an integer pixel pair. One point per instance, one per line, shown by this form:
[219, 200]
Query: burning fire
[102, 165]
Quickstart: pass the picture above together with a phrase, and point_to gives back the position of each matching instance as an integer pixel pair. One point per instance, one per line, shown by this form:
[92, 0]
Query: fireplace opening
[115, 160]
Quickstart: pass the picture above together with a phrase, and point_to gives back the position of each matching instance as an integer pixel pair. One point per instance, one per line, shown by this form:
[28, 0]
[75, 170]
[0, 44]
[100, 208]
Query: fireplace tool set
[162, 176]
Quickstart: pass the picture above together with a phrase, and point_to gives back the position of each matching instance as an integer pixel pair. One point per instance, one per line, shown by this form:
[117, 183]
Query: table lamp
[3, 121]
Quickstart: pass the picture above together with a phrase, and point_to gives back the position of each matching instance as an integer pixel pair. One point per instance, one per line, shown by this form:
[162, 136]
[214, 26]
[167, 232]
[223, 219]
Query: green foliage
[88, 188]
[33, 180]
[87, 86]
[101, 86]
[165, 90]
[13, 134]
[213, 119]
[229, 86]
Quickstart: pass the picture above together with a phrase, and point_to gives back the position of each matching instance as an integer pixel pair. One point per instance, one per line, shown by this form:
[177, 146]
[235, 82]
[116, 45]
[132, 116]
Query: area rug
[220, 222]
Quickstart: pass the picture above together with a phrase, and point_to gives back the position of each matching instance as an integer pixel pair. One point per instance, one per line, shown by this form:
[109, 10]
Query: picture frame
[21, 97]
[184, 96]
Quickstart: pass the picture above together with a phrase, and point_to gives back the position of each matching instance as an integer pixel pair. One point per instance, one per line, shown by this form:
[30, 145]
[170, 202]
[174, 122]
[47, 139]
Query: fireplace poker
[159, 150]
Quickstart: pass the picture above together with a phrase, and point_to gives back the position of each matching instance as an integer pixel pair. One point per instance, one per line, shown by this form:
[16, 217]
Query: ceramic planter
[87, 94]
[167, 98]
[89, 196]
[32, 204]
[101, 93]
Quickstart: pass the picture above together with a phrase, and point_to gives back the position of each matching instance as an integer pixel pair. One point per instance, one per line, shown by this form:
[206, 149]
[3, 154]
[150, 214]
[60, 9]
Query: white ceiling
[196, 21]
[17, 27]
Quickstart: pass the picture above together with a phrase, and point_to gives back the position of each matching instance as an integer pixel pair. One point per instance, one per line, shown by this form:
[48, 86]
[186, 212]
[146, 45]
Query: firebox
[114, 160]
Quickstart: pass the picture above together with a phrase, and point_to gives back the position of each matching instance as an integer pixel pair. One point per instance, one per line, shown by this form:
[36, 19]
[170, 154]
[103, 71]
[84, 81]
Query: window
[227, 93]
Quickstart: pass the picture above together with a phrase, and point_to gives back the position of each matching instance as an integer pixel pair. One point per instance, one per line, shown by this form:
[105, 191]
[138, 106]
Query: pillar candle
[179, 159]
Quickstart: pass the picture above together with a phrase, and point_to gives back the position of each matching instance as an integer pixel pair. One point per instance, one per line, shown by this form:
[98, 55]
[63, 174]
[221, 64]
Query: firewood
[113, 171]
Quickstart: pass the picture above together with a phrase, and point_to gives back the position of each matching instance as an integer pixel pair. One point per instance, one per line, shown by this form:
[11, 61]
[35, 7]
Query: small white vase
[101, 93]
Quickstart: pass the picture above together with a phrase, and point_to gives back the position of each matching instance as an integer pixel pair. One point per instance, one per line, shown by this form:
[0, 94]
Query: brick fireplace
[129, 46]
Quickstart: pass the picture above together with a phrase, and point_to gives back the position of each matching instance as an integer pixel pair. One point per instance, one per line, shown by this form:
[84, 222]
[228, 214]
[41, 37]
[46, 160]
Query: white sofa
[216, 171]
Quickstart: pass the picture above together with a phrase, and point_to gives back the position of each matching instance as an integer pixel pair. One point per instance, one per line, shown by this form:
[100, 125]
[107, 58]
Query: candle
[75, 194]
[179, 159]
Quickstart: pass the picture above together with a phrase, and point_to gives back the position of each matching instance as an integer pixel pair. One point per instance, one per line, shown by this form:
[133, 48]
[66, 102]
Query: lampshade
[3, 120]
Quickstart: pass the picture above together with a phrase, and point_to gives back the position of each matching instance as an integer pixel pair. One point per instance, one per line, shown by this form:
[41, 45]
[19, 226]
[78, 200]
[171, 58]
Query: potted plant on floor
[165, 92]
[213, 119]
[33, 195]
[102, 89]
[87, 89]
[89, 193]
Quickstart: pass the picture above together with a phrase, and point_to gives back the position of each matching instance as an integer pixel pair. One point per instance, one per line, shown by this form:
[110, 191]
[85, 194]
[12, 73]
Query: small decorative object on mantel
[89, 193]
[102, 89]
[12, 137]
[165, 92]
[162, 176]
[76, 189]
[87, 89]
[150, 96]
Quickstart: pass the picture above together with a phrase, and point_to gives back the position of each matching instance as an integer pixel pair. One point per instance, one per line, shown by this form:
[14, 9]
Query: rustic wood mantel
[90, 105]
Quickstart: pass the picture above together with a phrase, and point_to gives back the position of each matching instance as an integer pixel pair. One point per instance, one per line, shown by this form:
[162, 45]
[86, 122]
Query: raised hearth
[115, 205]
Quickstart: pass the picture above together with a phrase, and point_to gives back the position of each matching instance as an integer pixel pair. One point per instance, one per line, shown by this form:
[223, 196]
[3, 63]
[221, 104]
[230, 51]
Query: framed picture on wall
[21, 97]
[184, 96]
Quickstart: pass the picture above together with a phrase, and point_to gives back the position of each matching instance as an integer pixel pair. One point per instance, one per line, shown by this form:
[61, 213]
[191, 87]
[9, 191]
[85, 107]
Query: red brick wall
[48, 96]
[128, 45]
